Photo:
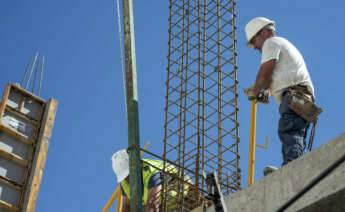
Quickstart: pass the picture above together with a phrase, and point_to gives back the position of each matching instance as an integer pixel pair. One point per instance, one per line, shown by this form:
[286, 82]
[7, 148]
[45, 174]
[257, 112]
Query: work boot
[269, 169]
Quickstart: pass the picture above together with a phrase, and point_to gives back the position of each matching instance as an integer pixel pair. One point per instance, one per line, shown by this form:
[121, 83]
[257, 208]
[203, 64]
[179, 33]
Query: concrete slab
[274, 190]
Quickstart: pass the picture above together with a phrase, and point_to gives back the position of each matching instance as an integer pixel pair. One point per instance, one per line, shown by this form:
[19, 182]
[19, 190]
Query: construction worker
[282, 72]
[152, 181]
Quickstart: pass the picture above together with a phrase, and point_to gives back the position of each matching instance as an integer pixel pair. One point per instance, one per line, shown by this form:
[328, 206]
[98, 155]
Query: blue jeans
[292, 131]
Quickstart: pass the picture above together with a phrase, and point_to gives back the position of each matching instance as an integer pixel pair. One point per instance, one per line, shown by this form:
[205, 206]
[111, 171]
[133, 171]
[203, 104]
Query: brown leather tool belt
[302, 103]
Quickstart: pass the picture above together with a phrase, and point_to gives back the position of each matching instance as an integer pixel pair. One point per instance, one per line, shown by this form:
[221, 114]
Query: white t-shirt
[289, 69]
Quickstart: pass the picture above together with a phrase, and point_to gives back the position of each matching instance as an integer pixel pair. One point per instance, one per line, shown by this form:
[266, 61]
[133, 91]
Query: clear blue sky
[83, 72]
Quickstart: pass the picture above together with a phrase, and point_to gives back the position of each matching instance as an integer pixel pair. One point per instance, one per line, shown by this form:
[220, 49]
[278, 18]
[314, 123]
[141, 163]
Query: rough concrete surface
[274, 190]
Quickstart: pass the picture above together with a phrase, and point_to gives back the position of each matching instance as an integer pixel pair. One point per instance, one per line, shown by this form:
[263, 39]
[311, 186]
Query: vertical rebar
[32, 68]
[135, 179]
[35, 76]
[197, 168]
[164, 177]
[203, 92]
[181, 108]
[238, 183]
[185, 103]
[41, 76]
[201, 126]
[219, 71]
[26, 71]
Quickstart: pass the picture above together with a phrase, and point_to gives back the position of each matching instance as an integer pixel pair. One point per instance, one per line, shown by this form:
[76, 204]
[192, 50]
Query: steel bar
[41, 76]
[35, 76]
[32, 68]
[219, 98]
[237, 164]
[135, 180]
[201, 113]
[165, 184]
[181, 113]
[26, 71]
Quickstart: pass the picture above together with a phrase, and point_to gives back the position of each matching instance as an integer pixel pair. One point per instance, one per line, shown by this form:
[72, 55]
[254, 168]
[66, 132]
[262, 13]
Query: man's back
[289, 69]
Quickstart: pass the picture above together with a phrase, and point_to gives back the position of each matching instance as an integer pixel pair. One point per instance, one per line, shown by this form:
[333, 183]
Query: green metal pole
[135, 179]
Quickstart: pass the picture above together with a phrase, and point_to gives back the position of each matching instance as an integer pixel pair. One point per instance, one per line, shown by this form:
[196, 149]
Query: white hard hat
[120, 162]
[254, 26]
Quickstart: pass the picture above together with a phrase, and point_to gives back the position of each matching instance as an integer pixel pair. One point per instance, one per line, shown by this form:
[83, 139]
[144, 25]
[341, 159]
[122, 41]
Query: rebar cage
[201, 113]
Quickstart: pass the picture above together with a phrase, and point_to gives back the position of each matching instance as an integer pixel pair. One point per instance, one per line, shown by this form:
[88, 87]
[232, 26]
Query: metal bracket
[214, 192]
[263, 147]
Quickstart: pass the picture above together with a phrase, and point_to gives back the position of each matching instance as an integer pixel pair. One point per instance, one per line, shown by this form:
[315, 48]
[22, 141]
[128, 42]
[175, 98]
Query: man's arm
[152, 204]
[264, 77]
[125, 204]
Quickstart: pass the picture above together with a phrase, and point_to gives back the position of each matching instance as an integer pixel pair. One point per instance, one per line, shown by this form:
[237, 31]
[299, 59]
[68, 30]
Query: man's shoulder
[272, 44]
[277, 40]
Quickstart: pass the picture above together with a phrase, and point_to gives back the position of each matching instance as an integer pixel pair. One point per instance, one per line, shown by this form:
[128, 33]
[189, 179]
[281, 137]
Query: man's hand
[249, 93]
[152, 204]
[264, 96]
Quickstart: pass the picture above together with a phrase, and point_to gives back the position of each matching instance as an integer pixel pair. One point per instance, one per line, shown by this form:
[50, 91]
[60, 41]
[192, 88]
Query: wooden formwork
[26, 123]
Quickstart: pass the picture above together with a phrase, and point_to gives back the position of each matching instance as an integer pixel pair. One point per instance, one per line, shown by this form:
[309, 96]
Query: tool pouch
[303, 106]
